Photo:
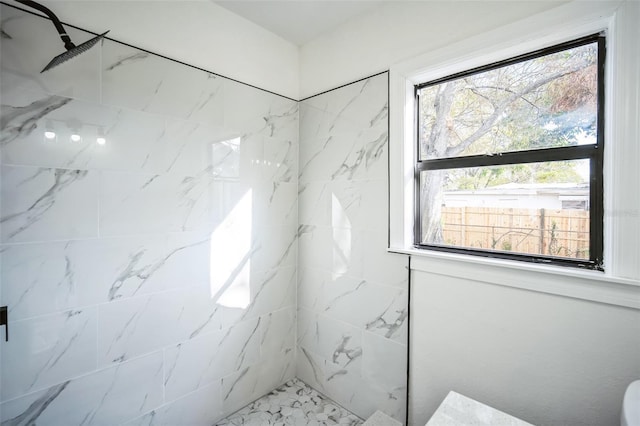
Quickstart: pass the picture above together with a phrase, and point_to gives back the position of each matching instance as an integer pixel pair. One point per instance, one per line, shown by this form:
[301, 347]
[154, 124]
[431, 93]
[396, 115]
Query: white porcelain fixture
[630, 415]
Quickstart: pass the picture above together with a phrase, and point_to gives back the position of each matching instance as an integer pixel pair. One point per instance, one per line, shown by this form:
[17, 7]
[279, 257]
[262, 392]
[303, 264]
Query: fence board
[533, 231]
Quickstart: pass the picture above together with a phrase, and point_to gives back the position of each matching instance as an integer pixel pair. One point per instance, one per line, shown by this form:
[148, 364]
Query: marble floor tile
[293, 403]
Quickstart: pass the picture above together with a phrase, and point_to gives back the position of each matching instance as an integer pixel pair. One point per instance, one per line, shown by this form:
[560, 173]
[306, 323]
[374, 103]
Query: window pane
[549, 101]
[537, 208]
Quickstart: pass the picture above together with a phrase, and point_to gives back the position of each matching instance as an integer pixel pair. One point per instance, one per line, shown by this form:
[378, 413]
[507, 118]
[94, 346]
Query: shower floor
[293, 403]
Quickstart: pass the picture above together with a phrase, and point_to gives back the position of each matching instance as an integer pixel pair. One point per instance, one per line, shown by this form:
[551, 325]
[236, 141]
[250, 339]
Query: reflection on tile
[352, 294]
[48, 350]
[267, 291]
[292, 404]
[107, 397]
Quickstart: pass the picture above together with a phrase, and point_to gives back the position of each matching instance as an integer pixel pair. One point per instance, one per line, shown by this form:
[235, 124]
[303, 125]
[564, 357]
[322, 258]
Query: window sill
[562, 281]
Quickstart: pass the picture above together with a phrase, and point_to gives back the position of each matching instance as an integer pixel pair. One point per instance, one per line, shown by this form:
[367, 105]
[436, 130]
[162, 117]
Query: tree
[544, 102]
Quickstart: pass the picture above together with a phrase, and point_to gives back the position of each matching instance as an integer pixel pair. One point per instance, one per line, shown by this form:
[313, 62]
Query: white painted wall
[372, 43]
[547, 359]
[199, 33]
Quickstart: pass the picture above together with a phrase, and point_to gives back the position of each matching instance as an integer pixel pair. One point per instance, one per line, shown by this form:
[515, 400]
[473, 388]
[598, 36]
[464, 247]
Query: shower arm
[68, 44]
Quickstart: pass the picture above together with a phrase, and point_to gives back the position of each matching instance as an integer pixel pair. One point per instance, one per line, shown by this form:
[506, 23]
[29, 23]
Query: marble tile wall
[352, 294]
[152, 278]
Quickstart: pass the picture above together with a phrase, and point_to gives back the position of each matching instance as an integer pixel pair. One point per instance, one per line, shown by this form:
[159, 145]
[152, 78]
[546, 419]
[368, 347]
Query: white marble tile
[187, 260]
[30, 44]
[459, 409]
[276, 370]
[248, 110]
[314, 205]
[48, 350]
[311, 283]
[345, 384]
[360, 154]
[384, 313]
[281, 161]
[316, 123]
[133, 203]
[133, 327]
[209, 357]
[191, 148]
[358, 204]
[240, 388]
[47, 204]
[255, 381]
[107, 397]
[192, 365]
[381, 266]
[240, 346]
[363, 103]
[42, 278]
[140, 325]
[267, 291]
[275, 204]
[345, 387]
[310, 368]
[377, 352]
[232, 205]
[122, 267]
[142, 81]
[194, 311]
[335, 341]
[275, 247]
[135, 141]
[338, 250]
[200, 408]
[238, 157]
[278, 333]
[339, 343]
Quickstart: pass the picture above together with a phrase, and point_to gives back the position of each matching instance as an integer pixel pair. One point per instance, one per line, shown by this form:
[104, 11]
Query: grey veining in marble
[352, 294]
[133, 298]
[457, 409]
[294, 403]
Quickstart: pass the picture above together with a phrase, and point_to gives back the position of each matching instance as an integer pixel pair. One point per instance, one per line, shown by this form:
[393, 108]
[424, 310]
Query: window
[509, 158]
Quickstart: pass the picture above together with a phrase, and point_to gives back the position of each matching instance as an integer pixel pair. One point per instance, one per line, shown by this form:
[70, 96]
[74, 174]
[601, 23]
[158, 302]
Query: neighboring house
[557, 196]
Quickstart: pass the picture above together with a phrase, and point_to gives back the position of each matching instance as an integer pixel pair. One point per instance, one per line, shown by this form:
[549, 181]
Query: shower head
[72, 49]
[73, 52]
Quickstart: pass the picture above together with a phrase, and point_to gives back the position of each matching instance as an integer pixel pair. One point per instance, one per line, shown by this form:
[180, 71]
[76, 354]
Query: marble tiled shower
[162, 278]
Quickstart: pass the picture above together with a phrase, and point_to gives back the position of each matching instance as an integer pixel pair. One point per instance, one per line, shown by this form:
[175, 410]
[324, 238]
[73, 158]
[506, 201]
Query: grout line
[194, 66]
[345, 85]
[149, 51]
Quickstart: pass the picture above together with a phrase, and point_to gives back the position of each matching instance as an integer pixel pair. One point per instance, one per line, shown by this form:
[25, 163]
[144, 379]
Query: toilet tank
[630, 415]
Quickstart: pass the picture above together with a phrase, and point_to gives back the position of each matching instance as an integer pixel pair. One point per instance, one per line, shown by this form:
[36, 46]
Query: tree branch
[496, 116]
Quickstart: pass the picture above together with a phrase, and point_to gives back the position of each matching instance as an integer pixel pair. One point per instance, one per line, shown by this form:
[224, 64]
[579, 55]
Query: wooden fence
[535, 231]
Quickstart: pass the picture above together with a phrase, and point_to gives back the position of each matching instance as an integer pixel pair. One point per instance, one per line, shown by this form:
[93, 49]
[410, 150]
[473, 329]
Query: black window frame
[593, 152]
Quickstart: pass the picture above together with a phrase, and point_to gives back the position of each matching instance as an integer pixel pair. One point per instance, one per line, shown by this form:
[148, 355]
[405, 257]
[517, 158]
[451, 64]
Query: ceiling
[299, 21]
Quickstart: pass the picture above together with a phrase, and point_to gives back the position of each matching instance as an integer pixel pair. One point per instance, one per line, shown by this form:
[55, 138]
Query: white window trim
[620, 283]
